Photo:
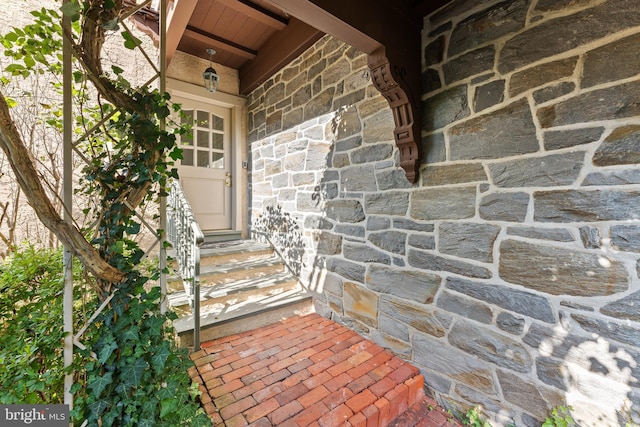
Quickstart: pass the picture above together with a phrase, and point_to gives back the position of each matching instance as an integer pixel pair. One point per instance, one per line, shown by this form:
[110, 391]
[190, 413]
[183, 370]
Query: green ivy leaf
[163, 112]
[155, 325]
[98, 383]
[168, 406]
[136, 310]
[133, 228]
[159, 357]
[130, 42]
[131, 334]
[97, 408]
[168, 390]
[148, 407]
[132, 374]
[118, 247]
[75, 387]
[201, 420]
[106, 352]
[154, 293]
[176, 153]
[108, 419]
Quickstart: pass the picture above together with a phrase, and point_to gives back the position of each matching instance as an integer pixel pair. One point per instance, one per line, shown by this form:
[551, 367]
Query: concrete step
[243, 285]
[234, 251]
[220, 320]
[235, 292]
[217, 274]
[221, 236]
[217, 253]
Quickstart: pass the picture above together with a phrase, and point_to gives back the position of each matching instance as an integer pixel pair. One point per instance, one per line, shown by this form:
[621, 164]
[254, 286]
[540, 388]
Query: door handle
[227, 180]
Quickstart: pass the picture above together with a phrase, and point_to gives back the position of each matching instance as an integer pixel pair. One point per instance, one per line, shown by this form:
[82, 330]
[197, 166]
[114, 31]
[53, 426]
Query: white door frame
[236, 104]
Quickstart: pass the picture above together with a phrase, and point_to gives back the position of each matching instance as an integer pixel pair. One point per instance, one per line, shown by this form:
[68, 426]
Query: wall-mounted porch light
[210, 76]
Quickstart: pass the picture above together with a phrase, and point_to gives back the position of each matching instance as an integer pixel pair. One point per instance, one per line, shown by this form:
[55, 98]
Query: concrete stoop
[244, 285]
[306, 371]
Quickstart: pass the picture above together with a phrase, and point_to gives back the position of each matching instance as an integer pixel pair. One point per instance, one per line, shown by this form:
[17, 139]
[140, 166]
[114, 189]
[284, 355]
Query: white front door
[205, 169]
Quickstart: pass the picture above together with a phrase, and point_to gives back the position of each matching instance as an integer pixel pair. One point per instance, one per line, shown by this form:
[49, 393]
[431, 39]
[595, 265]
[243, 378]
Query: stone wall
[509, 273]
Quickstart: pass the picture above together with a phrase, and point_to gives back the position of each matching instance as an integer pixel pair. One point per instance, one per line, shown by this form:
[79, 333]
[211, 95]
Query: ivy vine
[131, 373]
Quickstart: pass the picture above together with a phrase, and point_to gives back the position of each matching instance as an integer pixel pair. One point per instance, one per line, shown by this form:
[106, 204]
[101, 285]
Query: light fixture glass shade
[210, 79]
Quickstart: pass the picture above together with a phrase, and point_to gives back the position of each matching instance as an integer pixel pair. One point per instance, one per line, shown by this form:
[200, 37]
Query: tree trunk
[28, 178]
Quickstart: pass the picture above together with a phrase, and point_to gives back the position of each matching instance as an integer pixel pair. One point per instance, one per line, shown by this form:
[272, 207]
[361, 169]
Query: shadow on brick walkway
[310, 371]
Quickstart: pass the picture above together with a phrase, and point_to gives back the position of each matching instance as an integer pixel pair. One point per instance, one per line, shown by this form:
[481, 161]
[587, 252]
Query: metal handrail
[185, 236]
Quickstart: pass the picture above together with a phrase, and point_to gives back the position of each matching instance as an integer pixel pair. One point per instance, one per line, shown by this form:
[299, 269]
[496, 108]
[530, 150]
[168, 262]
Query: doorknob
[227, 180]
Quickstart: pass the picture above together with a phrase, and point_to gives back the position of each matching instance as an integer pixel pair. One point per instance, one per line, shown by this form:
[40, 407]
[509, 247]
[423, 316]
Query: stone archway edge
[394, 59]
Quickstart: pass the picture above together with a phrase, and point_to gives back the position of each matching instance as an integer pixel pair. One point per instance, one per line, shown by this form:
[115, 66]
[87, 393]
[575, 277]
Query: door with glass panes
[205, 169]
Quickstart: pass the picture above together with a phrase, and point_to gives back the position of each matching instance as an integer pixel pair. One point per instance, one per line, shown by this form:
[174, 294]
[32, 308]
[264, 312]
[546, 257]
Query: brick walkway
[309, 371]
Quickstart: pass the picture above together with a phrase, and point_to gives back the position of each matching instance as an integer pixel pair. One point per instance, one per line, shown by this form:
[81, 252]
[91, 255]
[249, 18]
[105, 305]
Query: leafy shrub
[560, 417]
[31, 333]
[139, 377]
[473, 418]
[121, 387]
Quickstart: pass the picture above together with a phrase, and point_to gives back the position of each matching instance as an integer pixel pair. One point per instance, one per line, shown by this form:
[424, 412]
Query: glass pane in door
[218, 160]
[218, 123]
[203, 119]
[203, 159]
[203, 138]
[204, 147]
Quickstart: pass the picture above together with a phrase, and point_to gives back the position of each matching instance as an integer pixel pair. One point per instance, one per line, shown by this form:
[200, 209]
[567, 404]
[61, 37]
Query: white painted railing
[185, 236]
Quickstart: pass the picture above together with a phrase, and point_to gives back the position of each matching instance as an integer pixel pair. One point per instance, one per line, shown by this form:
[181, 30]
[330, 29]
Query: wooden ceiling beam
[391, 37]
[364, 24]
[277, 52]
[328, 22]
[257, 13]
[219, 43]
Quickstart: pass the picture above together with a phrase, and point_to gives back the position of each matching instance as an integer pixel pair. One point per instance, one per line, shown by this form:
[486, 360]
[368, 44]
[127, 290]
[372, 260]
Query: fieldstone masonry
[509, 273]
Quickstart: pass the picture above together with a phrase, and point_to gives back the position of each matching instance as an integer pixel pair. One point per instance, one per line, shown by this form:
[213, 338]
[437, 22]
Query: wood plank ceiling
[235, 29]
[259, 37]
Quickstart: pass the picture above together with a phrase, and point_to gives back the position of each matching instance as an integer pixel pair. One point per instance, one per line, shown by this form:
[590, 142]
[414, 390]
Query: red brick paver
[309, 371]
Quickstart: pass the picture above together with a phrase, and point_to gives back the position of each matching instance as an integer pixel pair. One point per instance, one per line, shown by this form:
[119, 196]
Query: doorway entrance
[206, 166]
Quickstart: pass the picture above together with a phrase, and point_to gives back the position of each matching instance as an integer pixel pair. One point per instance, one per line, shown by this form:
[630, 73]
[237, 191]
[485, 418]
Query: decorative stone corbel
[393, 83]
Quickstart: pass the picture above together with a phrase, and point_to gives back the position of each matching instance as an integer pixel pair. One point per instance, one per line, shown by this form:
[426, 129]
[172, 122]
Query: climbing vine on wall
[131, 373]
